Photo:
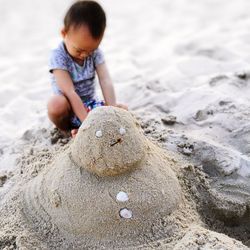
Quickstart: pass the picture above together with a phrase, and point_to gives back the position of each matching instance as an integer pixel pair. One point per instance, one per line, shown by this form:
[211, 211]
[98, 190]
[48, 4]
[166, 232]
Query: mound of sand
[56, 203]
[109, 189]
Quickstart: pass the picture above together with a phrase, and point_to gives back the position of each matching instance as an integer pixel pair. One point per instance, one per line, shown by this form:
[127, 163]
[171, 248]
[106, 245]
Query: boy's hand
[122, 106]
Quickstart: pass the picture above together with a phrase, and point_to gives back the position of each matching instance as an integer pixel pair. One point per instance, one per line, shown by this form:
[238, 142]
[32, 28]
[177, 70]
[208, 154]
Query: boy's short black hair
[89, 13]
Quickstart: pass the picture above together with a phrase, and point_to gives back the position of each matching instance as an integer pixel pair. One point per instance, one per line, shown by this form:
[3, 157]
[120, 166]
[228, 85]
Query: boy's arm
[106, 84]
[65, 84]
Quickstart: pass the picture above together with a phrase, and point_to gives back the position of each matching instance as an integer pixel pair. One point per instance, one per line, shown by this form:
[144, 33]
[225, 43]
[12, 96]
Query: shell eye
[122, 131]
[98, 133]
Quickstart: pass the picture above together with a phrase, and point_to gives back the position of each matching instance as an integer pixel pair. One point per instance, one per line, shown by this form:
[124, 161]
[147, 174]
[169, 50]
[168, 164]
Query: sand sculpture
[111, 185]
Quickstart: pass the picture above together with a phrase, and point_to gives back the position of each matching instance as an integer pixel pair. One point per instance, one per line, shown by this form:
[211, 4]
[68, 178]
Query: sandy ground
[182, 66]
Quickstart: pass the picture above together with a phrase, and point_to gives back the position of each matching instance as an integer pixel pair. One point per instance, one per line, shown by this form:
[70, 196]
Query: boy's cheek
[72, 53]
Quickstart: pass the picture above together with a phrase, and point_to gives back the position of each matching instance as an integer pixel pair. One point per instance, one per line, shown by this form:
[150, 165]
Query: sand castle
[111, 185]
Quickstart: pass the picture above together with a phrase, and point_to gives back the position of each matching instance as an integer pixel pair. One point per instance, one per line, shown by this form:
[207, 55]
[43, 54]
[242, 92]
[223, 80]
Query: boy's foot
[74, 132]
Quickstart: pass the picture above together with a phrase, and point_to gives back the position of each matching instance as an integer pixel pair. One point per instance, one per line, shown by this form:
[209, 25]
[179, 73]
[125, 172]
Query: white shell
[122, 196]
[126, 213]
[122, 131]
[98, 133]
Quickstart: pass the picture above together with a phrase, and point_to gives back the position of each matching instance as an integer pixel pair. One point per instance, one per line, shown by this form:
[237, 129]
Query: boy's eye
[78, 51]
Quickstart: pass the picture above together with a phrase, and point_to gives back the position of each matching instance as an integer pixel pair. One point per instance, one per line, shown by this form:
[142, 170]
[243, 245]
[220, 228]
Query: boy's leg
[59, 112]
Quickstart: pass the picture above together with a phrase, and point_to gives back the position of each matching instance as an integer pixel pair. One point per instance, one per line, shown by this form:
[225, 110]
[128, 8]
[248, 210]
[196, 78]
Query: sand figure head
[109, 142]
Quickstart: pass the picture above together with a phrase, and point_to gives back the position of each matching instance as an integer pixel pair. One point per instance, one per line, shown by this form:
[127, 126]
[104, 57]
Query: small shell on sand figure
[98, 133]
[122, 131]
[126, 213]
[122, 196]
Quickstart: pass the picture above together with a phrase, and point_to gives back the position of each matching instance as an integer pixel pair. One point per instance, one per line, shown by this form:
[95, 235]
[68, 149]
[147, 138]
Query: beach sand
[183, 69]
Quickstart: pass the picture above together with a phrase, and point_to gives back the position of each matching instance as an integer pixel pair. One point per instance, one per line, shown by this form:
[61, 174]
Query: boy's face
[79, 42]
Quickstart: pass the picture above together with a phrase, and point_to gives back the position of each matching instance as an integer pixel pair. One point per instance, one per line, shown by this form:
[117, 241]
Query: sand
[184, 71]
[54, 203]
[73, 199]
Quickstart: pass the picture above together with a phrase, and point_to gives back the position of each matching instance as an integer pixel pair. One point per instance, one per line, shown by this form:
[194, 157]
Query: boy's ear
[63, 32]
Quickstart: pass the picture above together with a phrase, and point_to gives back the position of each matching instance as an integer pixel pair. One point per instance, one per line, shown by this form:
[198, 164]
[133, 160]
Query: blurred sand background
[182, 66]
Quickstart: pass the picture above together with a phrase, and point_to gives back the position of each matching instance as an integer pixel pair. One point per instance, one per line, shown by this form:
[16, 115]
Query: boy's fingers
[122, 106]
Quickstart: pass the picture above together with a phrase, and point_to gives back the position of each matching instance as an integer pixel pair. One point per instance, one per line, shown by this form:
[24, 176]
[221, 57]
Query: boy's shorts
[89, 105]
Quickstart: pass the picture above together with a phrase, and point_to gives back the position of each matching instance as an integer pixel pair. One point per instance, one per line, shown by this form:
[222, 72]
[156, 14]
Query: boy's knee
[58, 106]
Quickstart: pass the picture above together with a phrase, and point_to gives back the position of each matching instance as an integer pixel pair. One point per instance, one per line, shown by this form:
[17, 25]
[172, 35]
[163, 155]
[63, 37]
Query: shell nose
[119, 140]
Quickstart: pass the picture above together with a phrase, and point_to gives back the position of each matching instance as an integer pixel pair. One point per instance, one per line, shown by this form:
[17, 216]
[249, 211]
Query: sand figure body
[110, 186]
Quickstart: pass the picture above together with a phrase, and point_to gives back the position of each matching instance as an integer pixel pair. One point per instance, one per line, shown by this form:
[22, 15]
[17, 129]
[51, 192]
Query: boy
[73, 65]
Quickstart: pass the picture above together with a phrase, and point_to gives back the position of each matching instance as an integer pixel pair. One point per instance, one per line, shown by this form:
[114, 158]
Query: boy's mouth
[80, 59]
